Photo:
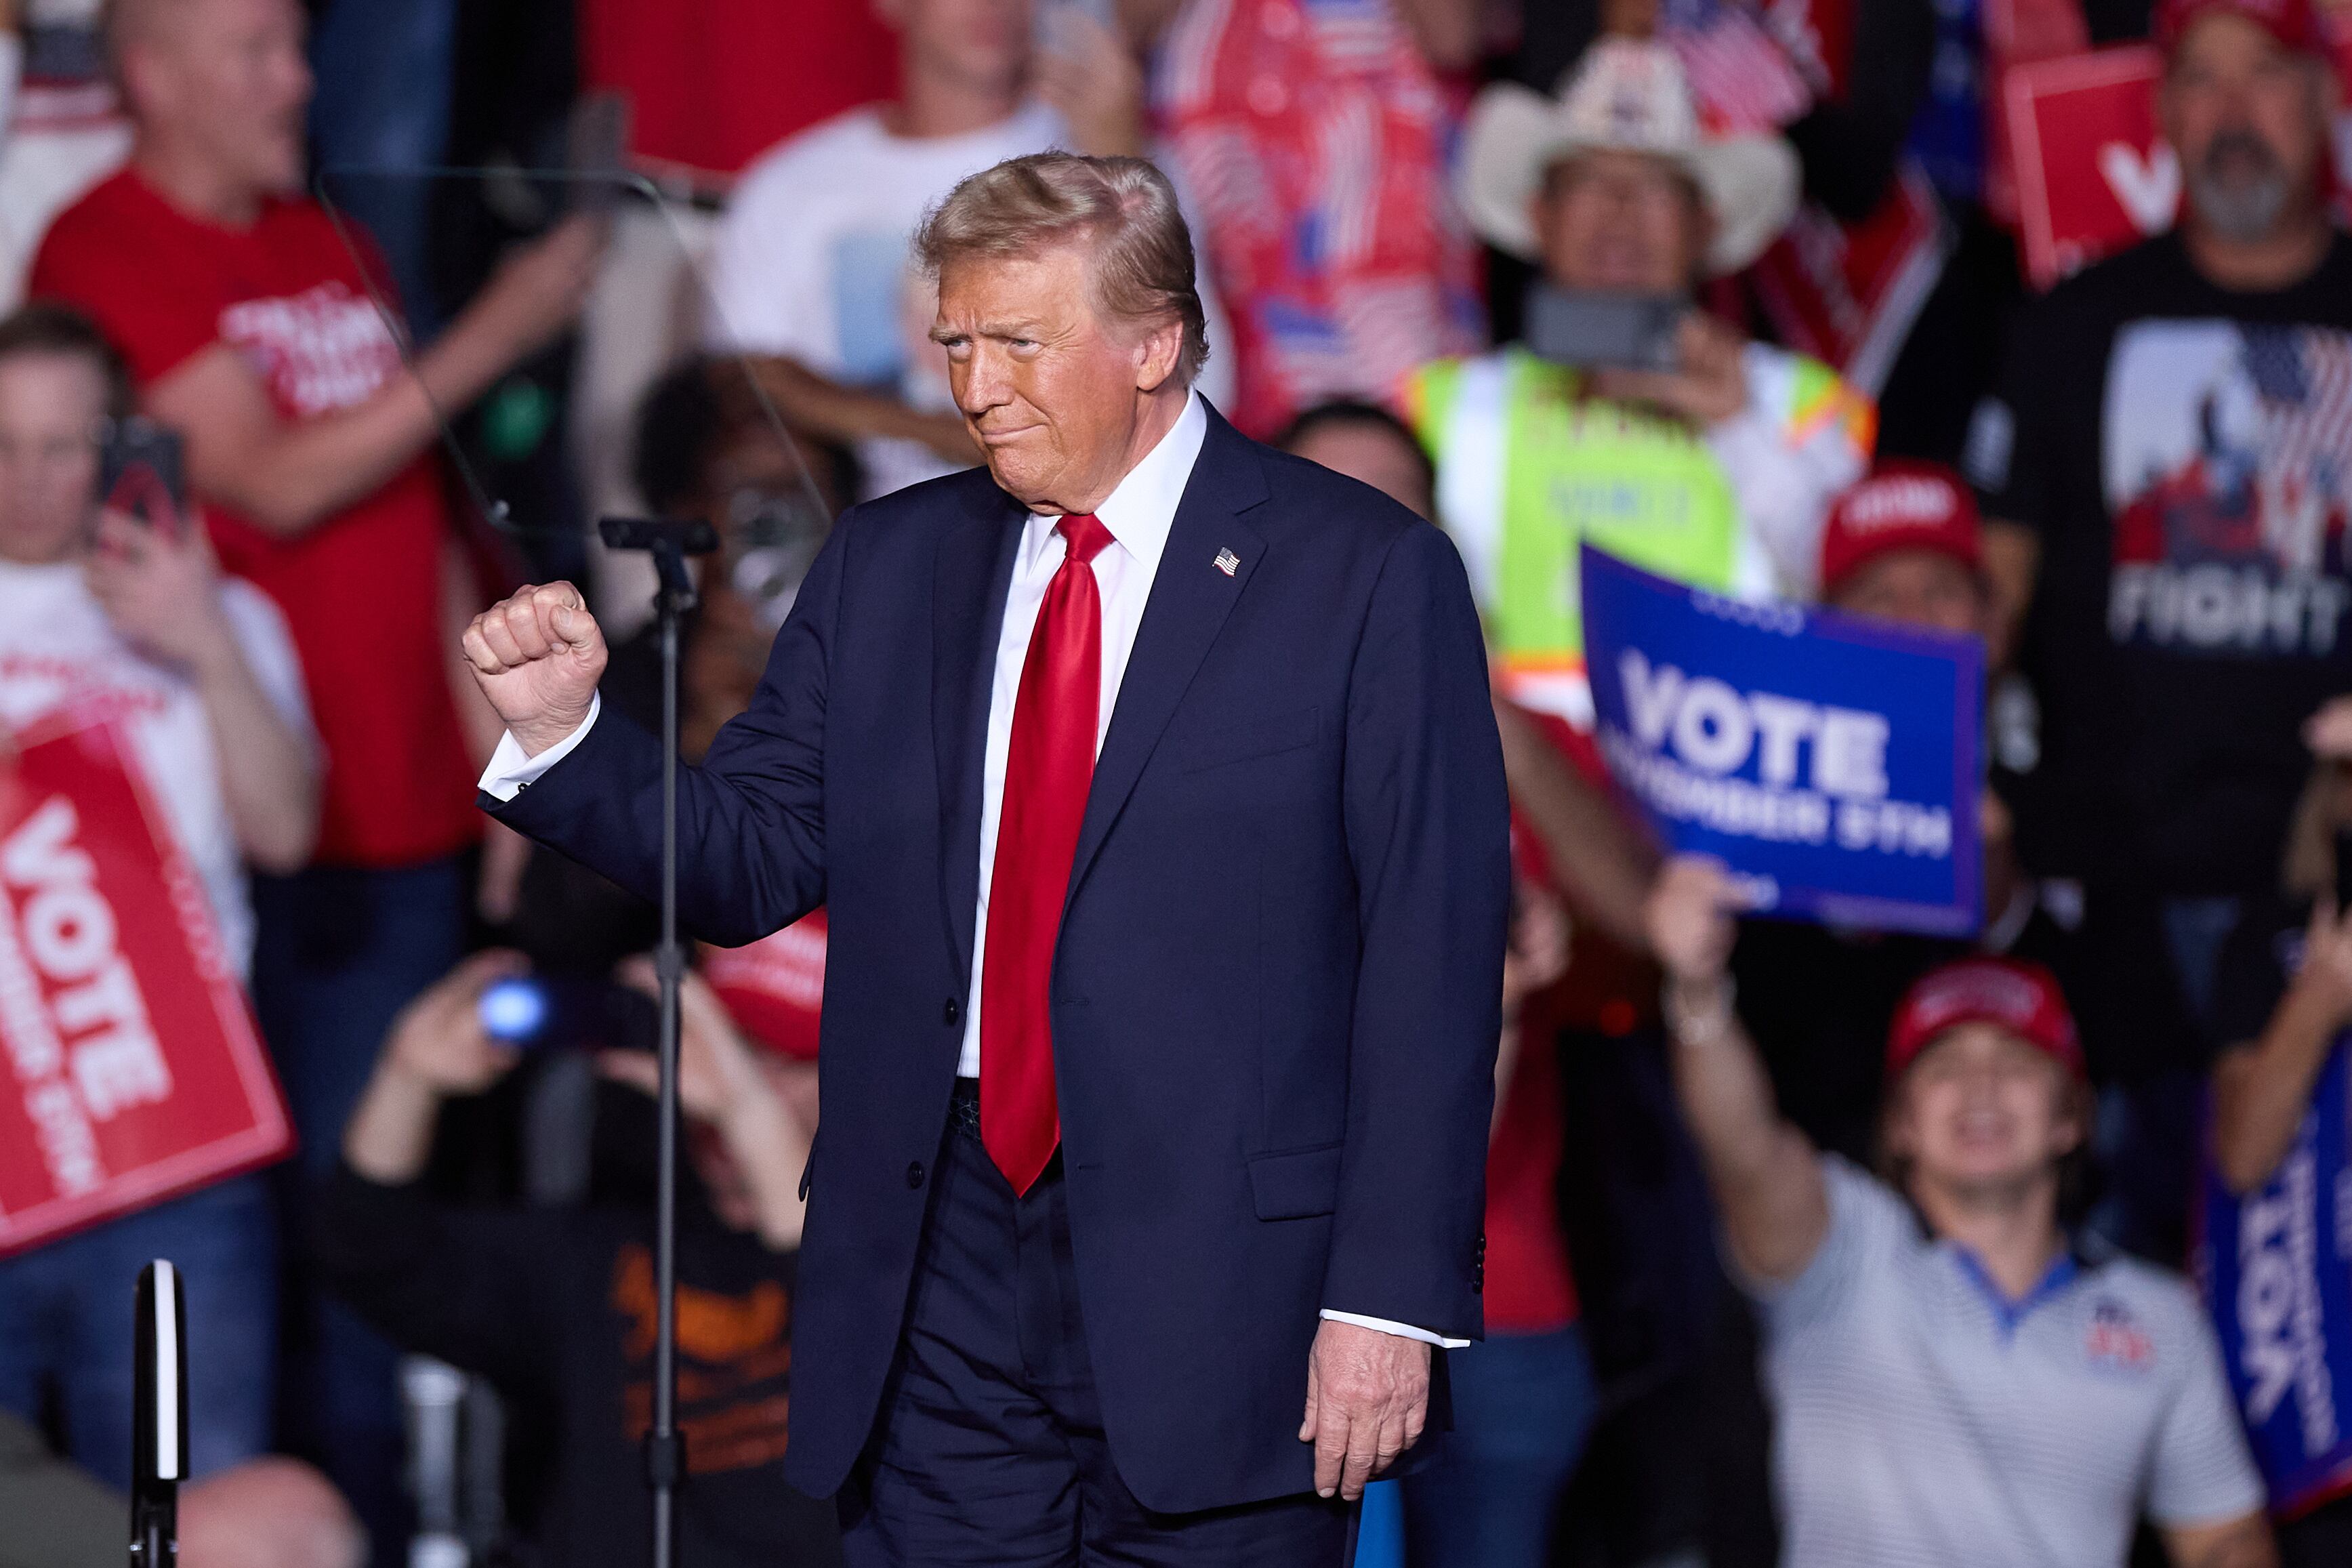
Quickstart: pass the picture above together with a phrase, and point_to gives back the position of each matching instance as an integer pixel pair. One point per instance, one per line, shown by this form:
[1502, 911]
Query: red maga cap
[1902, 505]
[774, 989]
[2291, 22]
[2021, 997]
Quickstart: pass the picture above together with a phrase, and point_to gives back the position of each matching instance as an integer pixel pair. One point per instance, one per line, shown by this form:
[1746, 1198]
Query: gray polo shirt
[1924, 1421]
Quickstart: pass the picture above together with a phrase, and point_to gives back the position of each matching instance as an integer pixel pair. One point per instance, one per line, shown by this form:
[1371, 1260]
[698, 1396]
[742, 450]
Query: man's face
[1982, 1112]
[228, 78]
[2249, 122]
[982, 45]
[1374, 455]
[1623, 223]
[50, 406]
[1918, 587]
[1050, 390]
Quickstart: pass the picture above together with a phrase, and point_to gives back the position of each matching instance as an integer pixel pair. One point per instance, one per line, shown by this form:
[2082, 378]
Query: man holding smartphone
[1644, 425]
[554, 1306]
[102, 610]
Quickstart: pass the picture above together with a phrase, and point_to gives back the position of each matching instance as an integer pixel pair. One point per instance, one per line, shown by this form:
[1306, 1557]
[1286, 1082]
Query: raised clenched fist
[538, 656]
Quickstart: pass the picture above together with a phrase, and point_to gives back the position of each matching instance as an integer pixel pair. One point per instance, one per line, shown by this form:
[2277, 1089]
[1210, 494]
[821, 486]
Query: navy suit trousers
[990, 1447]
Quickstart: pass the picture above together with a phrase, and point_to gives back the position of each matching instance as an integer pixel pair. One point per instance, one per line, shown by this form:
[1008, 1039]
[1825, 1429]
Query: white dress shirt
[1137, 515]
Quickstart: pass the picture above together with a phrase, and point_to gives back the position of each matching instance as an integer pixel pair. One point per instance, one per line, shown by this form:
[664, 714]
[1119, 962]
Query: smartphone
[142, 471]
[1590, 331]
[530, 1011]
[596, 153]
[2343, 868]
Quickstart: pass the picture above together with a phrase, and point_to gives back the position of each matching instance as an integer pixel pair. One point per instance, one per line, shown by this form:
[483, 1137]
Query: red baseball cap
[774, 989]
[2291, 22]
[1903, 505]
[2020, 997]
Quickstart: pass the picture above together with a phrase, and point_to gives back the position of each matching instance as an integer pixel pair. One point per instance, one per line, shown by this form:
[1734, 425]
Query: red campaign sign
[1847, 293]
[137, 1072]
[2092, 169]
[2093, 172]
[775, 988]
[2016, 34]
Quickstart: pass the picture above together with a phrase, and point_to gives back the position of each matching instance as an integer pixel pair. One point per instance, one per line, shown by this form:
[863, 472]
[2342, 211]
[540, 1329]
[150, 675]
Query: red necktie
[1046, 773]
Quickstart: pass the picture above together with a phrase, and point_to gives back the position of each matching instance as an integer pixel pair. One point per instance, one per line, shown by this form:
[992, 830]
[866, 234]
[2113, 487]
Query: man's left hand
[1367, 1397]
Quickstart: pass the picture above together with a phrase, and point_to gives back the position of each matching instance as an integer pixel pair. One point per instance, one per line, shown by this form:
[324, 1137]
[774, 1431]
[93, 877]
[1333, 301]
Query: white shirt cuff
[1403, 1330]
[510, 769]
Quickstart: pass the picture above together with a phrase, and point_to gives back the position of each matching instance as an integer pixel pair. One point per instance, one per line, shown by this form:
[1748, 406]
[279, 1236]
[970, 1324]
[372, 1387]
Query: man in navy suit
[1150, 780]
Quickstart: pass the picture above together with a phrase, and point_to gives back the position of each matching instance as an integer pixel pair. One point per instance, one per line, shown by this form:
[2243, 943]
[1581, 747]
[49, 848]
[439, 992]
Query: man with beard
[2167, 475]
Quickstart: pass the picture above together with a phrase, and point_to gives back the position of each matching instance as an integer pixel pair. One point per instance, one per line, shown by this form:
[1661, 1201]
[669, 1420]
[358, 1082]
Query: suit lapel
[1192, 594]
[972, 574]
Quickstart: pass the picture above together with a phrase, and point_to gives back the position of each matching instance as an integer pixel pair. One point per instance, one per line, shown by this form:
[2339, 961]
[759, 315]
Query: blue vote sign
[2276, 1268]
[1830, 761]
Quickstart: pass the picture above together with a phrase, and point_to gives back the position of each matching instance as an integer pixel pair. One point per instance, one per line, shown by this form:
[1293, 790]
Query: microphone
[158, 1419]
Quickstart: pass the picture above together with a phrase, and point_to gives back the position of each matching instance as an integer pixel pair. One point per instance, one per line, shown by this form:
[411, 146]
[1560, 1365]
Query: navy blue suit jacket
[1276, 993]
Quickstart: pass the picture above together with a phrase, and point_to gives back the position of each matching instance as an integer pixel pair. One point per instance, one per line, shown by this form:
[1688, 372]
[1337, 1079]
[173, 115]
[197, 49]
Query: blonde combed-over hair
[1139, 252]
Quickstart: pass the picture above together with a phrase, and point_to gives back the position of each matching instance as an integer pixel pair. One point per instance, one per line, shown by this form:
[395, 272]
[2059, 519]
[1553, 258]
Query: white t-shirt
[812, 261]
[56, 646]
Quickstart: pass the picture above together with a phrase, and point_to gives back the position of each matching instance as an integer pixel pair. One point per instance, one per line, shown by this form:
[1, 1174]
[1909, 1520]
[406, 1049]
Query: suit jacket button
[953, 1013]
[914, 1173]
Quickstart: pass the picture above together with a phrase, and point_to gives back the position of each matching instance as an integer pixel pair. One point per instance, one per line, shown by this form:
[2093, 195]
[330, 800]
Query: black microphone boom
[159, 1421]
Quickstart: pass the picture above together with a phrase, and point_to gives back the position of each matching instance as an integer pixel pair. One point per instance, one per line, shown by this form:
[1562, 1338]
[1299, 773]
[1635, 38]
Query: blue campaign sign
[2276, 1268]
[1830, 761]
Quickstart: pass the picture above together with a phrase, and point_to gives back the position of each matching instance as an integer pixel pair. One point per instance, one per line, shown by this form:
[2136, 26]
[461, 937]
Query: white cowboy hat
[1626, 95]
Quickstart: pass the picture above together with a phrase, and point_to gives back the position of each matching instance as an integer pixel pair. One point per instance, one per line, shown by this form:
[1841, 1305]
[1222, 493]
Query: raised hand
[1090, 75]
[537, 290]
[717, 1076]
[1690, 919]
[439, 1041]
[538, 656]
[160, 589]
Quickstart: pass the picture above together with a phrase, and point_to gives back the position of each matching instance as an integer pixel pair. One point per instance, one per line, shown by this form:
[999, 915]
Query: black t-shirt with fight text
[2184, 454]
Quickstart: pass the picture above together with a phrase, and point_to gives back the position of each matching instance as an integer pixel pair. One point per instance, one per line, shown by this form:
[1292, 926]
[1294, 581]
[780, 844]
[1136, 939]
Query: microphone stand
[669, 542]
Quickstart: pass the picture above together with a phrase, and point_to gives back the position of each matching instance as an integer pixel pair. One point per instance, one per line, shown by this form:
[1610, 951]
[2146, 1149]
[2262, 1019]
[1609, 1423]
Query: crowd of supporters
[1805, 1242]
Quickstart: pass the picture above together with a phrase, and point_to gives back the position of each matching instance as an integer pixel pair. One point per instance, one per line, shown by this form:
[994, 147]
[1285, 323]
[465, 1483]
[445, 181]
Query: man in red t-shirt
[252, 327]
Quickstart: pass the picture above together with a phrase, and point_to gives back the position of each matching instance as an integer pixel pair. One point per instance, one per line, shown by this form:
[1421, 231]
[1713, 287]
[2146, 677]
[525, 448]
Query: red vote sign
[135, 1072]
[2092, 173]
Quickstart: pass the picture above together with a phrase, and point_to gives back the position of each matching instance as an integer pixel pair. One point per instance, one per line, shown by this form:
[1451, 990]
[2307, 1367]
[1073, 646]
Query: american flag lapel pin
[1227, 561]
